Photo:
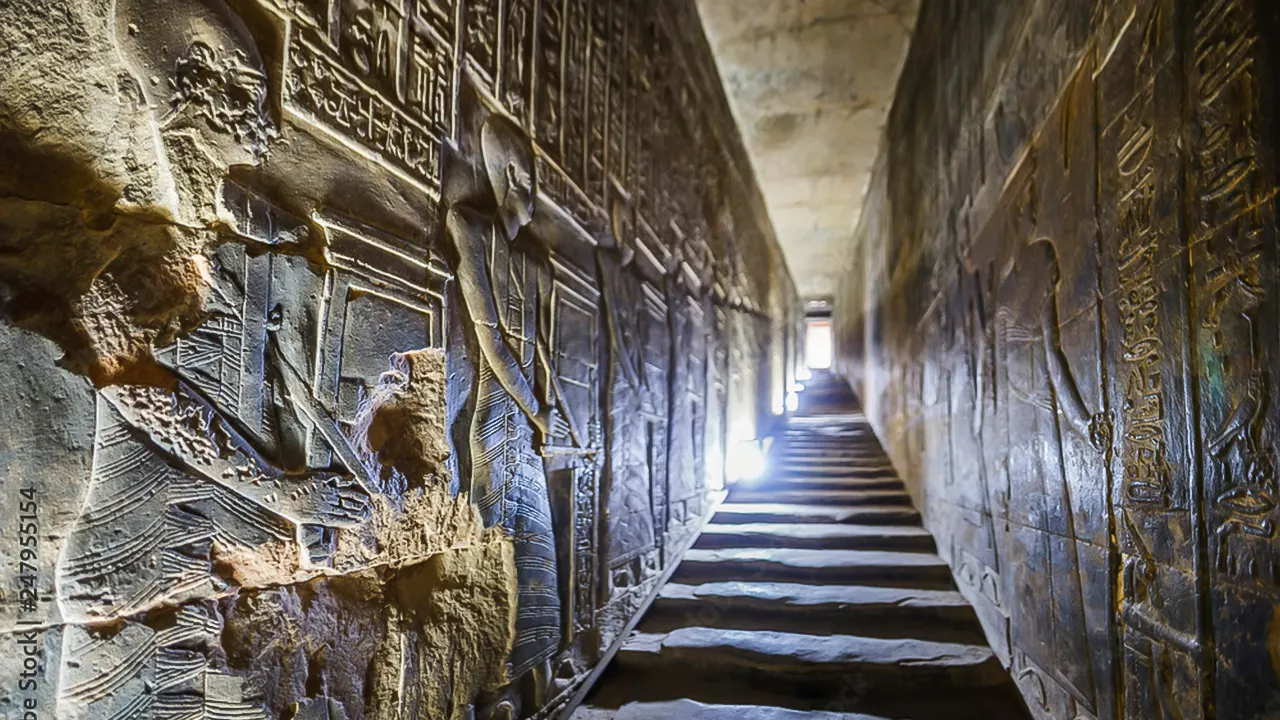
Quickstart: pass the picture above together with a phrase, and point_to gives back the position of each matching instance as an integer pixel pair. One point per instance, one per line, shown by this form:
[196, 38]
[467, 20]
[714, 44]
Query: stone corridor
[814, 593]
[419, 359]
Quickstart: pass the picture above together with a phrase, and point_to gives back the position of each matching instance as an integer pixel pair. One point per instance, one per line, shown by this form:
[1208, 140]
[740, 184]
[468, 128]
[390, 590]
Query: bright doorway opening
[818, 343]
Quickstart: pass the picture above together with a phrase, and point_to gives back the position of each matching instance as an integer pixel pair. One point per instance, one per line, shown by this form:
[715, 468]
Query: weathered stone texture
[1062, 319]
[314, 315]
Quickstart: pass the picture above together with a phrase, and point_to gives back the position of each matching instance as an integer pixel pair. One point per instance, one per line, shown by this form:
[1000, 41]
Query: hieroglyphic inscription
[639, 90]
[577, 45]
[584, 545]
[597, 86]
[1145, 465]
[548, 80]
[481, 37]
[515, 81]
[384, 89]
[616, 116]
[1235, 223]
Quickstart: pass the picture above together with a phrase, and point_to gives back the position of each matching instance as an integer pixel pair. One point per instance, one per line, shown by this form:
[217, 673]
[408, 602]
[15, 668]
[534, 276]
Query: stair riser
[876, 694]
[834, 484]
[883, 682]
[832, 455]
[830, 471]
[843, 451]
[925, 578]
[845, 446]
[907, 543]
[903, 516]
[952, 624]
[819, 498]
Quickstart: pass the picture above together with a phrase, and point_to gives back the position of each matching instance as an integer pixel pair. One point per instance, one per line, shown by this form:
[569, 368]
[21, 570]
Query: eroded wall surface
[1063, 322]
[364, 358]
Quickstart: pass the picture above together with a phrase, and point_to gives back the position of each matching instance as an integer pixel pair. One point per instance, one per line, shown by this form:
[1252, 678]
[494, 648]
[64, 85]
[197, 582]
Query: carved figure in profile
[1095, 428]
[1050, 409]
[630, 516]
[487, 204]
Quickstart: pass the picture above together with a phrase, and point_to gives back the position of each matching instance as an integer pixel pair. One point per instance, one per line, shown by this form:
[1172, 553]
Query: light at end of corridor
[818, 343]
[745, 462]
[793, 402]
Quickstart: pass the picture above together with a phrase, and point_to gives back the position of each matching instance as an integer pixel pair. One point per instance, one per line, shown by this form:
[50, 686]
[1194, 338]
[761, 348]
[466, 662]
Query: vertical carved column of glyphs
[1231, 188]
[1155, 493]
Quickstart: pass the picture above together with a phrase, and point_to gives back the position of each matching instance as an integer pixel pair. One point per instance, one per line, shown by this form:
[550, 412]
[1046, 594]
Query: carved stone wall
[1062, 319]
[364, 358]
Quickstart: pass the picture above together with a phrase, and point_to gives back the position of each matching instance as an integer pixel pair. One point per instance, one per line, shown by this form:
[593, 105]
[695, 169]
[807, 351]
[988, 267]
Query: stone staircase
[814, 594]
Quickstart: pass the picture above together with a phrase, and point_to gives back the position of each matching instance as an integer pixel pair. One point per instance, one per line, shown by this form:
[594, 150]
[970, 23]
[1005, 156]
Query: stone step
[690, 710]
[845, 432]
[847, 473]
[830, 449]
[830, 464]
[858, 468]
[836, 567]
[841, 446]
[830, 457]
[792, 513]
[816, 536]
[810, 672]
[938, 615]
[779, 481]
[856, 437]
[758, 494]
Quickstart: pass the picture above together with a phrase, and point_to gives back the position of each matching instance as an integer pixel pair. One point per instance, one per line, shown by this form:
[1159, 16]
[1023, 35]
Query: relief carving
[377, 75]
[229, 92]
[371, 303]
[499, 286]
[1132, 354]
[629, 516]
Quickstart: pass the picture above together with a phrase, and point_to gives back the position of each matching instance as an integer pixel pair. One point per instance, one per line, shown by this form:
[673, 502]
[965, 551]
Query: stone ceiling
[810, 83]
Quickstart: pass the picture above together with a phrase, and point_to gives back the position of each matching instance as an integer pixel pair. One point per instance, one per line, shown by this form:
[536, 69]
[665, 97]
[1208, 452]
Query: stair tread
[816, 559]
[803, 496]
[818, 482]
[851, 467]
[814, 531]
[774, 651]
[857, 567]
[783, 480]
[817, 535]
[691, 710]
[779, 595]
[833, 513]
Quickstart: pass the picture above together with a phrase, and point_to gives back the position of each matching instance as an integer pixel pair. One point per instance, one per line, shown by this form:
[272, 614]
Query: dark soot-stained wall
[1063, 319]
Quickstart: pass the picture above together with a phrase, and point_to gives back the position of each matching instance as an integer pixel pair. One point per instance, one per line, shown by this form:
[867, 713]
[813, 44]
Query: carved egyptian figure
[179, 470]
[136, 671]
[628, 504]
[1040, 260]
[499, 286]
[174, 484]
[171, 478]
[1048, 408]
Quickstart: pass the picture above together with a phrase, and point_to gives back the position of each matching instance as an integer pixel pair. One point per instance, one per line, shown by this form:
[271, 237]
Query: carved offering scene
[360, 352]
